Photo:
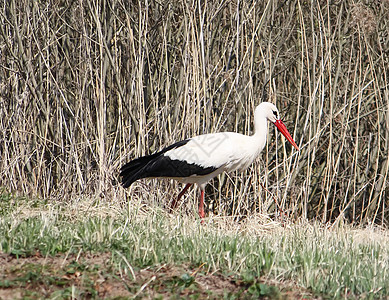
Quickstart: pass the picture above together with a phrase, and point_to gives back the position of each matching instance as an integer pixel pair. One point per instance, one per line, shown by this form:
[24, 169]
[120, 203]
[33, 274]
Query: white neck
[260, 130]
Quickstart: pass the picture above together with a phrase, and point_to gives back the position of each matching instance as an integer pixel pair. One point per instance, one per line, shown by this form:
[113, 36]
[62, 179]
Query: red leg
[173, 206]
[201, 205]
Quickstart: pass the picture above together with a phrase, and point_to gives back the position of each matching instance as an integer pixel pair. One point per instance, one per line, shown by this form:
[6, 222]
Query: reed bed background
[87, 85]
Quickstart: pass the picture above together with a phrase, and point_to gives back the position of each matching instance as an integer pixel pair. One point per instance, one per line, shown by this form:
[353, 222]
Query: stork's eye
[275, 114]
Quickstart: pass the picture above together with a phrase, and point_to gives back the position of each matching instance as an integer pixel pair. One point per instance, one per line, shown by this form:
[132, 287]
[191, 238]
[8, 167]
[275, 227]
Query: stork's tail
[135, 170]
[146, 166]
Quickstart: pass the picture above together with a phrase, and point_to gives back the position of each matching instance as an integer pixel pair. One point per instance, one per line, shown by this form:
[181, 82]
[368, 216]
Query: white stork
[201, 158]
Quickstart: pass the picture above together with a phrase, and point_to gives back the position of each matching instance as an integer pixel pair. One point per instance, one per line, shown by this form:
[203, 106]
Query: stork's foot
[173, 205]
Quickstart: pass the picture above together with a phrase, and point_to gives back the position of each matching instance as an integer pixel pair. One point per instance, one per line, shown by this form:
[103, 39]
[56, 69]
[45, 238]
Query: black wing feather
[159, 165]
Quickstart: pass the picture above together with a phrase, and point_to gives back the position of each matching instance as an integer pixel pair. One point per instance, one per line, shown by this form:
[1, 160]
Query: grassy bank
[98, 249]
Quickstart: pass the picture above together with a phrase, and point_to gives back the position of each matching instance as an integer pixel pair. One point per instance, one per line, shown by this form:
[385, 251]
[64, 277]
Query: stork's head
[270, 112]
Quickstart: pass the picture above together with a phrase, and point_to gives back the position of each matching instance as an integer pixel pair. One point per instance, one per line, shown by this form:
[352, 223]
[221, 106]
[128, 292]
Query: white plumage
[199, 159]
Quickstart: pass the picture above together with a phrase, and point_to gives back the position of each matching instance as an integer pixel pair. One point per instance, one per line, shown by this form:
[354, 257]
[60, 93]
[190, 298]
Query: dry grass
[88, 248]
[86, 86]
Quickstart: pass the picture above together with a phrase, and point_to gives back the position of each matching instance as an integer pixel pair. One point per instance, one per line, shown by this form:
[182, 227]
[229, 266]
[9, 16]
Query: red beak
[282, 128]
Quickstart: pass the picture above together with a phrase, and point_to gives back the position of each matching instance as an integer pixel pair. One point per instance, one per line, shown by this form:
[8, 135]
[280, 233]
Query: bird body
[201, 158]
[225, 151]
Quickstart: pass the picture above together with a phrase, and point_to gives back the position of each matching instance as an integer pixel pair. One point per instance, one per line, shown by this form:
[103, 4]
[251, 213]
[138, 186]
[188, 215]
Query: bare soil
[87, 275]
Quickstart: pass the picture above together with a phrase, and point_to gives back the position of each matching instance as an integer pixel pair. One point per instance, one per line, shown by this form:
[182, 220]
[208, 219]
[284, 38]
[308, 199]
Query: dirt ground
[86, 276]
